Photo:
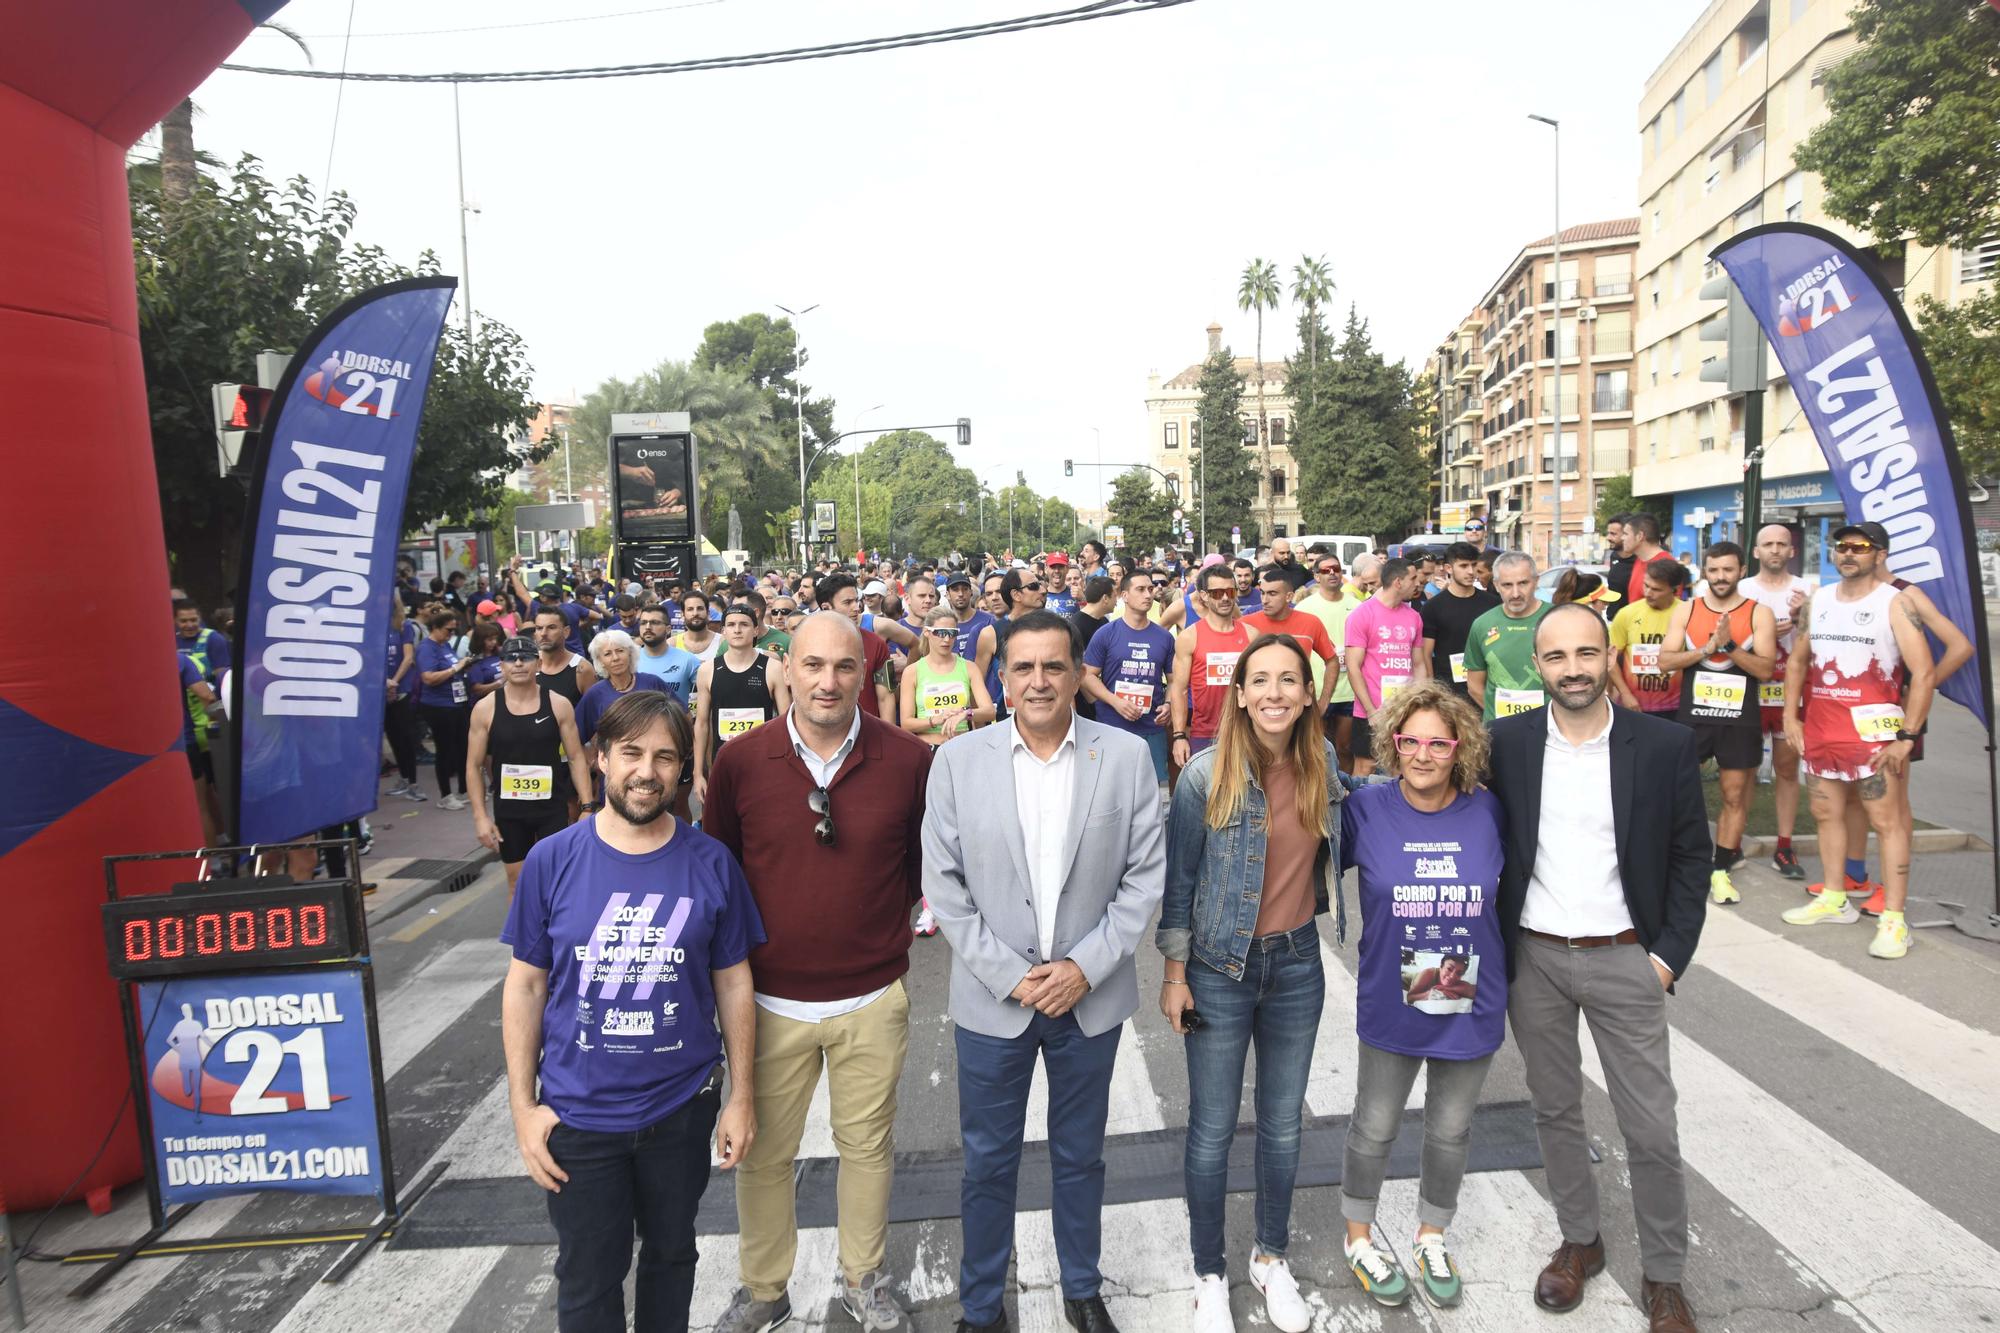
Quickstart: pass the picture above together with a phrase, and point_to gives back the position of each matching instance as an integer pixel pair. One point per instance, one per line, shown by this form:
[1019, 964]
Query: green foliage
[1225, 486]
[1141, 506]
[1908, 146]
[1360, 469]
[245, 264]
[1258, 291]
[763, 350]
[915, 496]
[1614, 497]
[746, 458]
[1312, 287]
[1962, 343]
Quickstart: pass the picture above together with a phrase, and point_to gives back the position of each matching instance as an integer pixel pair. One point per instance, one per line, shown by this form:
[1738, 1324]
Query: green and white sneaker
[1720, 890]
[1892, 938]
[1377, 1272]
[1820, 911]
[1437, 1274]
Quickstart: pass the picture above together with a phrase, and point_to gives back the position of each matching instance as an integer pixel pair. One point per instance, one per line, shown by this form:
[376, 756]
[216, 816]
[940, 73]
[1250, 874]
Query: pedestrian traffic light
[1069, 468]
[1741, 364]
[240, 411]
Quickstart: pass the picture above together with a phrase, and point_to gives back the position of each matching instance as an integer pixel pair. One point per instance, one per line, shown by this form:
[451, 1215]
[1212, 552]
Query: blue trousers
[993, 1078]
[1275, 1008]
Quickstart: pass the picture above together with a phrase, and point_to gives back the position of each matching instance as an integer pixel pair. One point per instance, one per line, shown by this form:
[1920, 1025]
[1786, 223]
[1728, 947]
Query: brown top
[1289, 852]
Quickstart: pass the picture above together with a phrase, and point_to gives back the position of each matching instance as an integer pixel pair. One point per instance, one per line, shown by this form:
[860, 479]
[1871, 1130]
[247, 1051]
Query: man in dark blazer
[1601, 904]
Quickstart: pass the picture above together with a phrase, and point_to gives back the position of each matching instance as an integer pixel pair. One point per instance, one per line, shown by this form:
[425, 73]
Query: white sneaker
[1282, 1301]
[453, 802]
[1211, 1306]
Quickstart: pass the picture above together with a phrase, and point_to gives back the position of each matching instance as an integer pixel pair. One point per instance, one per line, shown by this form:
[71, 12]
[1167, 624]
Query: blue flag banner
[1860, 376]
[319, 565]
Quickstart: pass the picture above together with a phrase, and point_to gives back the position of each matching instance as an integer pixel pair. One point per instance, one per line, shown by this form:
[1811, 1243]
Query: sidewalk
[420, 850]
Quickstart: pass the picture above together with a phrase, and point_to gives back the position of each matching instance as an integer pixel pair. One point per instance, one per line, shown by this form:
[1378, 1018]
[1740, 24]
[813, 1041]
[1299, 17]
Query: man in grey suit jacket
[1044, 858]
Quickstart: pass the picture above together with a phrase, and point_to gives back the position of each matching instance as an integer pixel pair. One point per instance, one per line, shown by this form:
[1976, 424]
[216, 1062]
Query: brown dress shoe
[1560, 1287]
[1667, 1307]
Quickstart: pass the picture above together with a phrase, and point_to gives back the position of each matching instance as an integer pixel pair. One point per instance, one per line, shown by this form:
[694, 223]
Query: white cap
[875, 588]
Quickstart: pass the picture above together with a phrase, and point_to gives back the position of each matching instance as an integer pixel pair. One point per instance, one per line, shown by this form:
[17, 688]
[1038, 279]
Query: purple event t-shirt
[1430, 890]
[629, 942]
[1388, 640]
[1131, 660]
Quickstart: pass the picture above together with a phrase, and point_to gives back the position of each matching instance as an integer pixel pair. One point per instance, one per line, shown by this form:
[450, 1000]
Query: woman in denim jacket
[1252, 857]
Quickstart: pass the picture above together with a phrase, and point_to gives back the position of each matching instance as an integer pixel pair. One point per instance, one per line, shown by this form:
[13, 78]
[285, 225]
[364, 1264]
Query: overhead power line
[530, 23]
[1101, 9]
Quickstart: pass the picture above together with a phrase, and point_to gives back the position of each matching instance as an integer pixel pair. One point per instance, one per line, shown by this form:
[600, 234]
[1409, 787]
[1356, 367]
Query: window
[1278, 435]
[1173, 435]
[1613, 276]
[1657, 222]
[1752, 34]
[1749, 215]
[1653, 354]
[1277, 481]
[1654, 131]
[1249, 430]
[1980, 262]
[1795, 196]
[1713, 179]
[1278, 530]
[1680, 110]
[1611, 450]
[1611, 391]
[1194, 433]
[1656, 291]
[1711, 74]
[1612, 334]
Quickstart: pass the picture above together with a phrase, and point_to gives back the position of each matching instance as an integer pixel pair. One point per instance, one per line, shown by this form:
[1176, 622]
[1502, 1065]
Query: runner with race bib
[735, 692]
[1384, 635]
[1205, 657]
[1500, 673]
[942, 697]
[524, 729]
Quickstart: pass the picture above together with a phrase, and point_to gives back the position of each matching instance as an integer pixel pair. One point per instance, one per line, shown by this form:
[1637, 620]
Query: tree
[1258, 291]
[1907, 146]
[1963, 345]
[241, 265]
[1225, 485]
[1614, 497]
[744, 456]
[764, 351]
[1312, 287]
[1360, 470]
[1143, 509]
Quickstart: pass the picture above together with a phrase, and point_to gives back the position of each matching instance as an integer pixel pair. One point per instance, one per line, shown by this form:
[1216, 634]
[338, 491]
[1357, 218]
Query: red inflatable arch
[91, 753]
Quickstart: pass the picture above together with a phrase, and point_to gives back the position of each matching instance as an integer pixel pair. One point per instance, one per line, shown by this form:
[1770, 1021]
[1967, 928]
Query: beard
[638, 801]
[1570, 692]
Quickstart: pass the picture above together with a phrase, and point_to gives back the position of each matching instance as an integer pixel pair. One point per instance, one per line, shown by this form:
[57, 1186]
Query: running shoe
[413, 793]
[1892, 940]
[453, 802]
[1436, 1273]
[1820, 912]
[1873, 904]
[397, 788]
[926, 923]
[1376, 1272]
[748, 1315]
[1720, 890]
[1852, 886]
[1288, 1310]
[1786, 862]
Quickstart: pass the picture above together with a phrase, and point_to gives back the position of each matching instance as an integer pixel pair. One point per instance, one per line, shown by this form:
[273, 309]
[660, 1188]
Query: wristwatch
[1911, 736]
[1729, 646]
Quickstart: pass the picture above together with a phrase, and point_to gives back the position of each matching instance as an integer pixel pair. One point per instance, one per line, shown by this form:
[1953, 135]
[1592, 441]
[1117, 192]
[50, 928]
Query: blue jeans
[993, 1078]
[1276, 1005]
[652, 1180]
[1161, 747]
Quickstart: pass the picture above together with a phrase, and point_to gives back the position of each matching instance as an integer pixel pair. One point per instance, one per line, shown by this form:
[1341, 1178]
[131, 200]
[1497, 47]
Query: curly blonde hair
[1468, 761]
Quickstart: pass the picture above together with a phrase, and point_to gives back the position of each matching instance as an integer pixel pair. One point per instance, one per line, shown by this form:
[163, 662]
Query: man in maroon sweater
[836, 907]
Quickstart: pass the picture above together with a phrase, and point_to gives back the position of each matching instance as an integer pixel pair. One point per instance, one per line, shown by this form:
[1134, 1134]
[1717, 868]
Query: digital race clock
[214, 928]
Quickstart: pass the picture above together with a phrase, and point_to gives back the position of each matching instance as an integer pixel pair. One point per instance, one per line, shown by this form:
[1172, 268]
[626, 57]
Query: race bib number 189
[1507, 702]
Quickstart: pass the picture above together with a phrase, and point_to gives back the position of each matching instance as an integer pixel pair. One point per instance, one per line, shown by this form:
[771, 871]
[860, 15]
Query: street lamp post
[855, 429]
[1556, 288]
[799, 399]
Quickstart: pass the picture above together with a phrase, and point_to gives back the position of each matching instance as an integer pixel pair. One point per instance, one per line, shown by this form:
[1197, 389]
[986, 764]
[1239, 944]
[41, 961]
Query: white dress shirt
[1575, 888]
[1042, 790]
[822, 772]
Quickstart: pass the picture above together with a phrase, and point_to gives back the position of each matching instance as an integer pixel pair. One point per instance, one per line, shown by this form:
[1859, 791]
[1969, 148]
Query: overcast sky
[1015, 229]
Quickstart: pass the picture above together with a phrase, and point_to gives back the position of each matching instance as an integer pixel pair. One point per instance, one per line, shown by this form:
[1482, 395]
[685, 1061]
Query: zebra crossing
[1840, 1122]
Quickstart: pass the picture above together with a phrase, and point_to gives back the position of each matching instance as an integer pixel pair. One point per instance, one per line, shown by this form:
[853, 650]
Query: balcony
[1468, 370]
[1611, 345]
[1611, 400]
[1605, 287]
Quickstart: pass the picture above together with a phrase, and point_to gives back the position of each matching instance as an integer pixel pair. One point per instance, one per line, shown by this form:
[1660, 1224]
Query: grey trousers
[1383, 1083]
[1618, 993]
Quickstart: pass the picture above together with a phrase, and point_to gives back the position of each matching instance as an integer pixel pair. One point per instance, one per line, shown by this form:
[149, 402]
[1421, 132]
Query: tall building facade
[1718, 123]
[1520, 479]
[1457, 368]
[1173, 408]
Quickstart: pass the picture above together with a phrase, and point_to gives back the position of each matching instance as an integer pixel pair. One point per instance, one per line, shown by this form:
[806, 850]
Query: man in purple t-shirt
[632, 935]
[1126, 666]
[1382, 638]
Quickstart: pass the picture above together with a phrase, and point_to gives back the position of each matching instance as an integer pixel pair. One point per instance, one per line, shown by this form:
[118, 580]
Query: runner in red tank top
[1856, 641]
[1205, 657]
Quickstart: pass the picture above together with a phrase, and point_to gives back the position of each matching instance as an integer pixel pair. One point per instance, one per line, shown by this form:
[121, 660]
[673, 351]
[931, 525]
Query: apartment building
[1456, 366]
[1514, 471]
[1718, 123]
[1173, 408]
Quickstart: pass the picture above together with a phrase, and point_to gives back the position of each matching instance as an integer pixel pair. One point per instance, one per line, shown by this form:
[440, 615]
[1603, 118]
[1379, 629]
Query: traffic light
[240, 411]
[1069, 468]
[1741, 364]
[965, 432]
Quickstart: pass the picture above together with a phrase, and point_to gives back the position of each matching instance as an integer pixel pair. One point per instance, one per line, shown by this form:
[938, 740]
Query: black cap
[548, 590]
[517, 644]
[958, 576]
[1874, 532]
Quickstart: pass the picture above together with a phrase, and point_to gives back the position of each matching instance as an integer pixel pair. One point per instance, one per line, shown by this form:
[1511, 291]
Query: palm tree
[1312, 284]
[1259, 292]
[177, 155]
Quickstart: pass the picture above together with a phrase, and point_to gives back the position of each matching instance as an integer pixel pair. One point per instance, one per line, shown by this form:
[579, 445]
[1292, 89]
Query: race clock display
[214, 929]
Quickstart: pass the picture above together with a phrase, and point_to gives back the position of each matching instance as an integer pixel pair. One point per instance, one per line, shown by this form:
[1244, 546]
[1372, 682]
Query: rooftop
[1246, 370]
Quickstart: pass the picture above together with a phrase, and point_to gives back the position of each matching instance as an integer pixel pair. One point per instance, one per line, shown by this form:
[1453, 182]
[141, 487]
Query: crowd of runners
[726, 808]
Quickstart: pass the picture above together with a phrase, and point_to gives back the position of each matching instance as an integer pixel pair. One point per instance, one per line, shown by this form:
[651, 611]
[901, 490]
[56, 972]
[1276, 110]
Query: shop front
[1809, 504]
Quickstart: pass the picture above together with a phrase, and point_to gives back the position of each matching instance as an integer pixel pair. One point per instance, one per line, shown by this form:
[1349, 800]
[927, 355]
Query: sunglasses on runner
[1854, 548]
[1440, 747]
[517, 657]
[1329, 569]
[941, 633]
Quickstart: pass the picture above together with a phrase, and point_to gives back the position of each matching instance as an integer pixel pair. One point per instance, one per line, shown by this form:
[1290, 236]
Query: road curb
[468, 870]
[1921, 840]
